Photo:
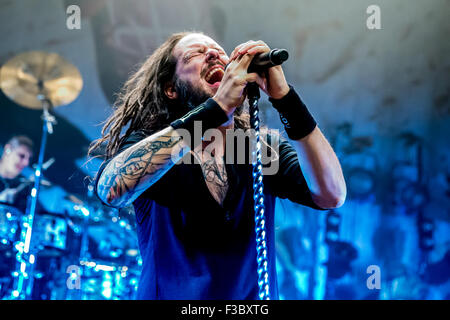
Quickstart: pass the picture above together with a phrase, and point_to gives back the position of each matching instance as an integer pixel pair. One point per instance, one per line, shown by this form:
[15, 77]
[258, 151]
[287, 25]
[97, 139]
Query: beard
[189, 97]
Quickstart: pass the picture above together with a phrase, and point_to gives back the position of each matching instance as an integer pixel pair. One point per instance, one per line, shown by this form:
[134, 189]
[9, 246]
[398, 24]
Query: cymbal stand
[84, 250]
[23, 282]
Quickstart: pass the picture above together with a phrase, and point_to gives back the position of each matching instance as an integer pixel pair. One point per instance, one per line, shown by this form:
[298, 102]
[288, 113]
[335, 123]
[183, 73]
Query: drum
[10, 222]
[113, 238]
[107, 281]
[10, 218]
[50, 234]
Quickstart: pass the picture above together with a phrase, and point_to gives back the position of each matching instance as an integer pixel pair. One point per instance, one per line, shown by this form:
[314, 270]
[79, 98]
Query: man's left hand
[275, 84]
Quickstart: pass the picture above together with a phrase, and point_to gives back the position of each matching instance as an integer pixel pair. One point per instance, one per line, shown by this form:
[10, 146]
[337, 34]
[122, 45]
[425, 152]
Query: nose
[212, 54]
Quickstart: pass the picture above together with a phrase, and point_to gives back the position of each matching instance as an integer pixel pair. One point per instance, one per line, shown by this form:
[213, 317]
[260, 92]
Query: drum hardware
[84, 248]
[107, 255]
[108, 281]
[10, 199]
[30, 181]
[49, 121]
[37, 80]
[9, 224]
[47, 164]
[104, 238]
[112, 274]
[10, 220]
[50, 235]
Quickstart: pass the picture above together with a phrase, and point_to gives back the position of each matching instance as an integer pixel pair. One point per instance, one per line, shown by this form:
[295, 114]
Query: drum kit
[37, 248]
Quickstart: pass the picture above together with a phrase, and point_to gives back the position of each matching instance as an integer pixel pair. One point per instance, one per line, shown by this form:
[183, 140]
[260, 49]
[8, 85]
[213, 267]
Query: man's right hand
[231, 92]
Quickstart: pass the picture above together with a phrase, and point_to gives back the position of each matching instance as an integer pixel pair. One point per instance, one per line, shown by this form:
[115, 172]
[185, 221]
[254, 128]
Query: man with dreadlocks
[195, 222]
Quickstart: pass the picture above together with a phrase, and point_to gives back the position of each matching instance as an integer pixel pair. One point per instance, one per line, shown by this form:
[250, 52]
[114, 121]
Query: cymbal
[29, 74]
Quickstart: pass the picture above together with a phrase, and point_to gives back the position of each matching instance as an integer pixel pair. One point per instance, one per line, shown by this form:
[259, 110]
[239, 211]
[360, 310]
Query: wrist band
[209, 113]
[294, 115]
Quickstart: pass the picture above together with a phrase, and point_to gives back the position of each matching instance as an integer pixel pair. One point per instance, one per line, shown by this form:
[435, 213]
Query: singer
[195, 222]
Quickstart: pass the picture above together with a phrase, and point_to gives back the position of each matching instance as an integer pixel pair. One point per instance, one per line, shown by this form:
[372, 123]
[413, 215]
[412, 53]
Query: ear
[7, 148]
[169, 90]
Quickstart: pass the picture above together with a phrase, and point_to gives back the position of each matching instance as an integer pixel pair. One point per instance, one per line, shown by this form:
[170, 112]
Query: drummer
[16, 156]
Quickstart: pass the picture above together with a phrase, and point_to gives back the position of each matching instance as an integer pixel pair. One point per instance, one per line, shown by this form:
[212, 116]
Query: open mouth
[214, 75]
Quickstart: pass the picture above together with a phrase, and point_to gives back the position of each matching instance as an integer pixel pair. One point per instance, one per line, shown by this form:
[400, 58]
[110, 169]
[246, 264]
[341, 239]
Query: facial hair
[189, 97]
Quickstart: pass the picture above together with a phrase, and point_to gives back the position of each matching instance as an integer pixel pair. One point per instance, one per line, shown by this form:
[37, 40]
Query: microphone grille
[280, 55]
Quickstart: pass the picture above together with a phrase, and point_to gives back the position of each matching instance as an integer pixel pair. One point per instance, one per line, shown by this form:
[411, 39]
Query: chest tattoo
[216, 178]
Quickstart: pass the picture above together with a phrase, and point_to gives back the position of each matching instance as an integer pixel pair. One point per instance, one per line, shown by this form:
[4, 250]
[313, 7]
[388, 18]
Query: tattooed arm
[135, 169]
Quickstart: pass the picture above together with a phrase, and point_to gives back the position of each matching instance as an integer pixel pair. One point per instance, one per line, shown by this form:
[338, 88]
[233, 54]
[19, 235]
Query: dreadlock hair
[142, 102]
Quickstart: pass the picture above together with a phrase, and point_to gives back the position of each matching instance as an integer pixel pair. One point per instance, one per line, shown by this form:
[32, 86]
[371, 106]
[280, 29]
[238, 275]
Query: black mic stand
[253, 95]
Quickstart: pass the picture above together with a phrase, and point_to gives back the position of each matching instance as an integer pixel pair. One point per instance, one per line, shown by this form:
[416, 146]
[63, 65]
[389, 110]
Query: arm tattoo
[125, 175]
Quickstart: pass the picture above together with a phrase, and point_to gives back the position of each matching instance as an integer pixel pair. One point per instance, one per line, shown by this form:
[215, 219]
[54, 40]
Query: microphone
[264, 61]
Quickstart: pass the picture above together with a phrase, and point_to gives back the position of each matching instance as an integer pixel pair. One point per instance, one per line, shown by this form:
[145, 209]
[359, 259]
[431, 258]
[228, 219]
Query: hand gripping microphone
[264, 61]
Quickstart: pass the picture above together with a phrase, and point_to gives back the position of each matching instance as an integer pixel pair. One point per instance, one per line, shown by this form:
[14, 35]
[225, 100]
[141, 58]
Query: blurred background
[382, 98]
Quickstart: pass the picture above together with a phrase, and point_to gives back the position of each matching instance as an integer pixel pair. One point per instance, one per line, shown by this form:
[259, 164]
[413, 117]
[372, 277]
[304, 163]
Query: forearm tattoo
[126, 175]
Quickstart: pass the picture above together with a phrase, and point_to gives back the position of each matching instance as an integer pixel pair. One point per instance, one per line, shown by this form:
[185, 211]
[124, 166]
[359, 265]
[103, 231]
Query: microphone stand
[253, 95]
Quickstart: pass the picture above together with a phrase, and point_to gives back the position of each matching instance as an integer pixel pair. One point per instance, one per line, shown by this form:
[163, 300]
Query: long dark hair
[142, 102]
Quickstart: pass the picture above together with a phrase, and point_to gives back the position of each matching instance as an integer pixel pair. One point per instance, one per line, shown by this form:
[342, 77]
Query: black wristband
[294, 115]
[209, 113]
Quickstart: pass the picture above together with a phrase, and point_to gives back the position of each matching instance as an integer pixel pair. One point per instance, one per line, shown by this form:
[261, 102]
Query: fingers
[240, 60]
[238, 69]
[258, 50]
[244, 61]
[240, 65]
[251, 47]
[254, 77]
